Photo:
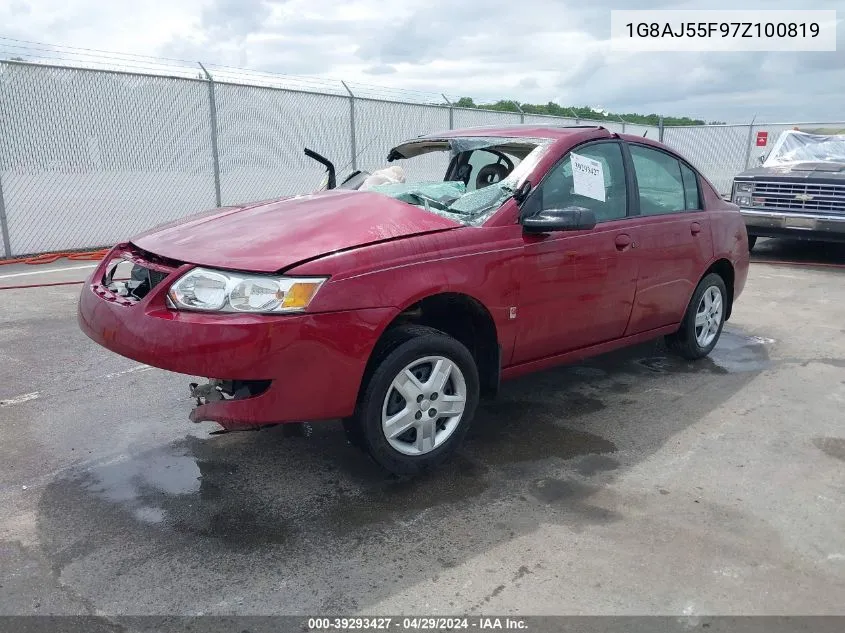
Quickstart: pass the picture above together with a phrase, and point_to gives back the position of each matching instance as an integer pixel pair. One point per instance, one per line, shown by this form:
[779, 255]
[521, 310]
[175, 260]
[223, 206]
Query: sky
[533, 51]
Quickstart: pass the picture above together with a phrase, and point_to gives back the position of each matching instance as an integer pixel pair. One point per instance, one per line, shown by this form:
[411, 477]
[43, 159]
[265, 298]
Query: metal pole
[4, 225]
[521, 112]
[451, 112]
[748, 144]
[215, 156]
[623, 123]
[660, 129]
[352, 126]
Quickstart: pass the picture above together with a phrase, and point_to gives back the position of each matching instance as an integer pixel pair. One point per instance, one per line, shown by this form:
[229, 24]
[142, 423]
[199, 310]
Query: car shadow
[547, 451]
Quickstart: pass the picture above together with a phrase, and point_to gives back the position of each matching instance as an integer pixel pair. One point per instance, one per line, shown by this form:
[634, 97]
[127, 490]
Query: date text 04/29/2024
[416, 624]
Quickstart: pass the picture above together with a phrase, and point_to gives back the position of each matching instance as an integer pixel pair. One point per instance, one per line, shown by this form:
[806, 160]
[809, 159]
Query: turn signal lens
[299, 295]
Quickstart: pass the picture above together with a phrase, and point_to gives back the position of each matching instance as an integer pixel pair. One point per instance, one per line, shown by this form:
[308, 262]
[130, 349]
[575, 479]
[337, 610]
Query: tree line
[580, 112]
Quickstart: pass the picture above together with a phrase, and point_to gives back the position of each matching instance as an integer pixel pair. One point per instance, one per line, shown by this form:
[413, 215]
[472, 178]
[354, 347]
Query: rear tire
[704, 319]
[417, 402]
[752, 240]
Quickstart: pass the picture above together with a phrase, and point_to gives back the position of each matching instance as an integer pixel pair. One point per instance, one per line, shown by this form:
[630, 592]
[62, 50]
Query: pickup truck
[798, 191]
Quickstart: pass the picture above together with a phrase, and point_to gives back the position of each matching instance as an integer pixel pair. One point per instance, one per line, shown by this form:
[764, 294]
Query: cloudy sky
[530, 50]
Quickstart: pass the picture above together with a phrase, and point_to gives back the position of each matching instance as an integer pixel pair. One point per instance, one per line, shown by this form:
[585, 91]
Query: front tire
[752, 240]
[703, 321]
[418, 402]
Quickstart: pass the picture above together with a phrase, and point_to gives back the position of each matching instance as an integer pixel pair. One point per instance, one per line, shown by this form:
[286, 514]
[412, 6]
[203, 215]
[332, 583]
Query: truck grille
[799, 196]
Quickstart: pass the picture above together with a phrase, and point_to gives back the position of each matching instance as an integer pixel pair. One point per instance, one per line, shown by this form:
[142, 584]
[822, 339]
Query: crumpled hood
[272, 236]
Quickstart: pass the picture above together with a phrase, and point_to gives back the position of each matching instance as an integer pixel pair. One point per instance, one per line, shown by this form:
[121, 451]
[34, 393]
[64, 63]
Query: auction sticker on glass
[723, 30]
[587, 177]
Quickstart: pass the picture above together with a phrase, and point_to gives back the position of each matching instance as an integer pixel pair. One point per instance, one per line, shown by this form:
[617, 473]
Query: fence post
[521, 112]
[215, 156]
[660, 129]
[748, 144]
[352, 126]
[451, 112]
[4, 225]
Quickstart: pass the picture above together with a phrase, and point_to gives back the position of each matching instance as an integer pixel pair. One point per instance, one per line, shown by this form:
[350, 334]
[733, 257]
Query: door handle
[695, 228]
[623, 242]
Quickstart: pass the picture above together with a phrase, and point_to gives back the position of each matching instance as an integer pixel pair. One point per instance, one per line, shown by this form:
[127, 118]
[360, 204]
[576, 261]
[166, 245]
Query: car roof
[563, 134]
[525, 130]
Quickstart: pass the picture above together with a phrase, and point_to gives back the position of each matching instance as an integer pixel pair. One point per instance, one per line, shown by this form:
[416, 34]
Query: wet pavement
[635, 482]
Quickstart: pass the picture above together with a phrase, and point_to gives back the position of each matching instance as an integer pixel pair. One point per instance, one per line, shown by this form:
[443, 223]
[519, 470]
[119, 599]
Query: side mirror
[522, 192]
[568, 219]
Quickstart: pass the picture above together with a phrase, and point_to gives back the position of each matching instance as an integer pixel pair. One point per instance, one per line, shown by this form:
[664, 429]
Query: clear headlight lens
[219, 291]
[745, 187]
[743, 201]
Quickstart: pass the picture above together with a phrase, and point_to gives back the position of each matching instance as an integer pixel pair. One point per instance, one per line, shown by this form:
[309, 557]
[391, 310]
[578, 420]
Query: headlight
[745, 187]
[219, 291]
[743, 201]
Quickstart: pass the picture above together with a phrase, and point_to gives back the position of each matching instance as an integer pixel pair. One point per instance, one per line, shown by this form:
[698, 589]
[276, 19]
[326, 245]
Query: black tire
[752, 240]
[399, 348]
[684, 341]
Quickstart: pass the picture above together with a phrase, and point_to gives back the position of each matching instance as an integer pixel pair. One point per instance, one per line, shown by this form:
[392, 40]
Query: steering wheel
[494, 172]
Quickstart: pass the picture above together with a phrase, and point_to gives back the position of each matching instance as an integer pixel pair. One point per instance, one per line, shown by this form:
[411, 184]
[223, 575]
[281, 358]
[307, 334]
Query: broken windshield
[483, 174]
[793, 146]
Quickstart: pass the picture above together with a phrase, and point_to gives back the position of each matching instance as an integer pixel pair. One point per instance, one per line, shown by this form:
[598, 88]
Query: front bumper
[315, 362]
[809, 226]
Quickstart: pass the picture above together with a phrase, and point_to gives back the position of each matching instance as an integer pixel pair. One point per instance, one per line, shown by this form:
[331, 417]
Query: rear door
[579, 286]
[675, 243]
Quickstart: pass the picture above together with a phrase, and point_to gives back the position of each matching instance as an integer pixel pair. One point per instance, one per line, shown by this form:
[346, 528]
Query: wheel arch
[725, 269]
[461, 316]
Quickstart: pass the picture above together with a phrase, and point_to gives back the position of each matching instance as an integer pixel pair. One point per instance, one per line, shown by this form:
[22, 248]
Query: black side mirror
[568, 219]
[522, 192]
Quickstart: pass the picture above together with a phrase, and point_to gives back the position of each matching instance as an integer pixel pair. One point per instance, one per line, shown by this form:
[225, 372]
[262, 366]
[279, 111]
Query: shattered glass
[794, 146]
[451, 199]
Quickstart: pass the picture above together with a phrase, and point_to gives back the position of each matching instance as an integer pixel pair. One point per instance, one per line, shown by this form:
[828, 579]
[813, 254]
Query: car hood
[272, 236]
[825, 171]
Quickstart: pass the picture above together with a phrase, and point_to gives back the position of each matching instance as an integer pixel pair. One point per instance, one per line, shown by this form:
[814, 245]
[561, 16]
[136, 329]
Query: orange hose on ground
[49, 258]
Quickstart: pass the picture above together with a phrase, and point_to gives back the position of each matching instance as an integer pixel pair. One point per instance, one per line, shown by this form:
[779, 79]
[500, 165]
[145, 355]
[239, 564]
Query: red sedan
[397, 305]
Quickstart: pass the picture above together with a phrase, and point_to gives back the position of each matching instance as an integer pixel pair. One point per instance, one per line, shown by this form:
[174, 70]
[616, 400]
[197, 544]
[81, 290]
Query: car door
[675, 242]
[578, 286]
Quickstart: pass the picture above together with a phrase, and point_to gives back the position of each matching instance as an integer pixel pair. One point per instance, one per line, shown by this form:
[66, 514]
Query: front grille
[799, 196]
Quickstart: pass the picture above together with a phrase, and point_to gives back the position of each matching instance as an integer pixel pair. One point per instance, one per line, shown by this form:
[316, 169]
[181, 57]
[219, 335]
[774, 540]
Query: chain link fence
[91, 157]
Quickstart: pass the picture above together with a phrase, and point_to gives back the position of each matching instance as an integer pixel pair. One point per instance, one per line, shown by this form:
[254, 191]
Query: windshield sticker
[587, 177]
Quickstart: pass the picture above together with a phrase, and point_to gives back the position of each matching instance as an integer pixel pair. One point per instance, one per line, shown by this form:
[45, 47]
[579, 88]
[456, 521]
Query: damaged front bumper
[268, 369]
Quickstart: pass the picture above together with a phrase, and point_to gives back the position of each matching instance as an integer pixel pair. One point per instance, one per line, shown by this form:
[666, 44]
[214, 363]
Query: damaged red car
[396, 303]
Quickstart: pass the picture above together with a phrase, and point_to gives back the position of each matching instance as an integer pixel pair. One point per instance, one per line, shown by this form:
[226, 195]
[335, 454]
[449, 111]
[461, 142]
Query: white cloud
[534, 50]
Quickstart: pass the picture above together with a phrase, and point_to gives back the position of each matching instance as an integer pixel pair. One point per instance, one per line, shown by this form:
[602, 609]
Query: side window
[608, 198]
[690, 188]
[659, 180]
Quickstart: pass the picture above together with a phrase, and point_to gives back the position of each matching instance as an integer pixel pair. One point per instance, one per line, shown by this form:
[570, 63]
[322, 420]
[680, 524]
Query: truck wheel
[703, 321]
[752, 240]
[418, 402]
